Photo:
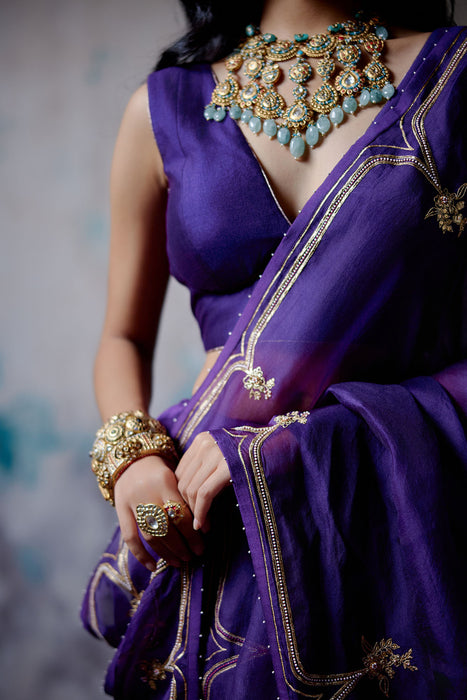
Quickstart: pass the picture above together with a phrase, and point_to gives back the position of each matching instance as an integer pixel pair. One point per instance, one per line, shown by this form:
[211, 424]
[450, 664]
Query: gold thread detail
[255, 382]
[241, 361]
[380, 661]
[448, 210]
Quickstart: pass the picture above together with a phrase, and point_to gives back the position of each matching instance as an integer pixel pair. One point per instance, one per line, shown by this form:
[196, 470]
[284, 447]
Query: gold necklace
[259, 104]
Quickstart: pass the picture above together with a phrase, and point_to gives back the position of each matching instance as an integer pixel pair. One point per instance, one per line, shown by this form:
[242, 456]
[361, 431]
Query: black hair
[218, 26]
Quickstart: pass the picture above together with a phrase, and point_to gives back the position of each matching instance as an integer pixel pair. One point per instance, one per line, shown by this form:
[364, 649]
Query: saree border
[376, 665]
[268, 303]
[243, 359]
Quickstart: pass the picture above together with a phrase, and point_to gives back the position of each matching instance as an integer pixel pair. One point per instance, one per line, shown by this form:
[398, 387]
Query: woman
[303, 517]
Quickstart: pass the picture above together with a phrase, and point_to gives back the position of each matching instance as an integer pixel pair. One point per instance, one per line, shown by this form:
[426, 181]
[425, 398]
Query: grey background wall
[68, 69]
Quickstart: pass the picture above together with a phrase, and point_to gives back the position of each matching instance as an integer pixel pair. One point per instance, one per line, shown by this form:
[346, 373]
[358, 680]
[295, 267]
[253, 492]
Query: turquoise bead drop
[364, 98]
[336, 115]
[283, 135]
[388, 91]
[323, 124]
[312, 135]
[209, 112]
[246, 115]
[219, 114]
[349, 105]
[381, 33]
[255, 125]
[235, 111]
[376, 96]
[297, 146]
[270, 127]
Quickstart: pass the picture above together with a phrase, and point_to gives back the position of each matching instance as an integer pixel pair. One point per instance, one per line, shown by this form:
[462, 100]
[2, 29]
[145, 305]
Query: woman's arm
[137, 282]
[138, 270]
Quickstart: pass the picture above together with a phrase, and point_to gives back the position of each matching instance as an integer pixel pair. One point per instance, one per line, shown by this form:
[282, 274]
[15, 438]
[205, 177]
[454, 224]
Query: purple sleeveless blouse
[223, 223]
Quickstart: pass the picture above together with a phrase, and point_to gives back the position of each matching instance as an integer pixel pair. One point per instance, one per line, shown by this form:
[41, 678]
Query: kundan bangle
[125, 438]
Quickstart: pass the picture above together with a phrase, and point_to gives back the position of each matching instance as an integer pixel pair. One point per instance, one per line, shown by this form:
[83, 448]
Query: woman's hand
[202, 473]
[150, 480]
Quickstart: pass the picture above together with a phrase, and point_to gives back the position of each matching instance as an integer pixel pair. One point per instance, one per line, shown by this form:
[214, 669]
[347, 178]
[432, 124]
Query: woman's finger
[192, 537]
[172, 542]
[206, 493]
[190, 483]
[130, 535]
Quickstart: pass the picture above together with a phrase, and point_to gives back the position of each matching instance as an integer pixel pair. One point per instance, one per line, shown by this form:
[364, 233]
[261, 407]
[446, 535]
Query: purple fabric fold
[339, 404]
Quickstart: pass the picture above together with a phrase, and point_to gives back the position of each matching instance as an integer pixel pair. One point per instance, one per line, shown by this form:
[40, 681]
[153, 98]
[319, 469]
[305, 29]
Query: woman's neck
[287, 17]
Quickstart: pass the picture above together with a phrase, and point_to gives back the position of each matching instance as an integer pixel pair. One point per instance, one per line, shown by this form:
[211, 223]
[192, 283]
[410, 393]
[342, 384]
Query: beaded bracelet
[125, 438]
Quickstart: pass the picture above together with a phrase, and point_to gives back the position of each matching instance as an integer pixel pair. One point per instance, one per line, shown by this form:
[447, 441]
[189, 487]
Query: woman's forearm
[122, 376]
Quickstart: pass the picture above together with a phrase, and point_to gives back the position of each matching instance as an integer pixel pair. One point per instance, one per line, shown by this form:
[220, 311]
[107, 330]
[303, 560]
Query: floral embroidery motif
[154, 671]
[381, 661]
[292, 417]
[448, 210]
[256, 384]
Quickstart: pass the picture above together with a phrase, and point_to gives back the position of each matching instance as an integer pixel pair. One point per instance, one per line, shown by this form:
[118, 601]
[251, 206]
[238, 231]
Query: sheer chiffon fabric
[339, 402]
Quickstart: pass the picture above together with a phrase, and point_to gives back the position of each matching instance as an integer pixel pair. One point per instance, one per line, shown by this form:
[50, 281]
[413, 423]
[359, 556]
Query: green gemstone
[209, 112]
[255, 125]
[219, 114]
[349, 105]
[312, 135]
[364, 98]
[336, 115]
[323, 124]
[381, 33]
[270, 127]
[283, 135]
[297, 146]
[388, 91]
[246, 115]
[235, 111]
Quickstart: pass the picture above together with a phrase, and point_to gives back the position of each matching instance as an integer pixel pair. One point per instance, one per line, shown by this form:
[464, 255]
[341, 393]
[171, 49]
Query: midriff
[211, 357]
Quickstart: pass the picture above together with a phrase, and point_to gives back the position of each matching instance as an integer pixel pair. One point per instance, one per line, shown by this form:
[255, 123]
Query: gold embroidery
[273, 296]
[155, 672]
[257, 385]
[448, 210]
[334, 199]
[381, 661]
[119, 574]
[292, 417]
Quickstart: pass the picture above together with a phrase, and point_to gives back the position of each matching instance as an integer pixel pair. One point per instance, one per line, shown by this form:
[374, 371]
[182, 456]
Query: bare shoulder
[402, 50]
[136, 137]
[136, 115]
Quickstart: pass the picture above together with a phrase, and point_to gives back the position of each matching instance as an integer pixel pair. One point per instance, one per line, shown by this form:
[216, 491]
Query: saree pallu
[336, 565]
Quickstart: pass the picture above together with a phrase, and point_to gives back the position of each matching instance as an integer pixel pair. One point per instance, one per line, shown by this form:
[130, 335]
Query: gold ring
[152, 519]
[174, 511]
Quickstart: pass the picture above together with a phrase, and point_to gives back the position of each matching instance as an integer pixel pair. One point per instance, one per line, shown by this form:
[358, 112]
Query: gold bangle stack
[125, 438]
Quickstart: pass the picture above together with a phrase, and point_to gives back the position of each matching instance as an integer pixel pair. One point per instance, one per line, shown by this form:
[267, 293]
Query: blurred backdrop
[67, 71]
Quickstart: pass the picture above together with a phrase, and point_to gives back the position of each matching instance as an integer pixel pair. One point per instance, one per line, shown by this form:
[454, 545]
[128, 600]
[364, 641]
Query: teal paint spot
[97, 63]
[6, 445]
[28, 434]
[96, 228]
[31, 564]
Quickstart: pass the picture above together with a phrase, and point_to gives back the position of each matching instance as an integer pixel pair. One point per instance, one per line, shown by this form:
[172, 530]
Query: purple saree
[337, 563]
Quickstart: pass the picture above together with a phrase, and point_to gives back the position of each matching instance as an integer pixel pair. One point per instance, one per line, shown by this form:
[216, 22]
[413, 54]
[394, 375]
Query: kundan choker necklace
[345, 86]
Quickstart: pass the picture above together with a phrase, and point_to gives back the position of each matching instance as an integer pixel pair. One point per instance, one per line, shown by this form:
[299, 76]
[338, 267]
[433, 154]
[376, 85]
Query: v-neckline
[388, 113]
